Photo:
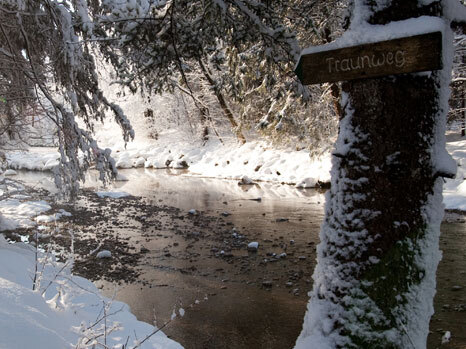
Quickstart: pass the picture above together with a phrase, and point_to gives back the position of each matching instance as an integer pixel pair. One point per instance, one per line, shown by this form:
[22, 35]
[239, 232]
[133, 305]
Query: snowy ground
[24, 310]
[70, 311]
[72, 304]
[63, 310]
[169, 139]
[255, 160]
[454, 190]
[179, 147]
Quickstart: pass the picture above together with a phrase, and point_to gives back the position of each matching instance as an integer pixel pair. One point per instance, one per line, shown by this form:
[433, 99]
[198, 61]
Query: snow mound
[37, 160]
[48, 219]
[124, 163]
[446, 337]
[64, 314]
[245, 180]
[17, 214]
[255, 160]
[104, 254]
[454, 190]
[112, 194]
[64, 213]
[307, 183]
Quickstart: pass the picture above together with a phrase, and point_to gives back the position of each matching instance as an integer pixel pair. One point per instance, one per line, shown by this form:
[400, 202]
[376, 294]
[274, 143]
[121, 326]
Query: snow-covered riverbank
[255, 160]
[65, 305]
[454, 190]
[42, 305]
[70, 313]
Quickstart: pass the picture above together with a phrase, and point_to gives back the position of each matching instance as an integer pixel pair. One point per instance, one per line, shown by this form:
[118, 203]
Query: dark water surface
[242, 299]
[249, 300]
[450, 300]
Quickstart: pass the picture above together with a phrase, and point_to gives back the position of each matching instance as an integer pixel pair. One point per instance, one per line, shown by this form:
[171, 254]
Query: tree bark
[223, 104]
[375, 278]
[463, 105]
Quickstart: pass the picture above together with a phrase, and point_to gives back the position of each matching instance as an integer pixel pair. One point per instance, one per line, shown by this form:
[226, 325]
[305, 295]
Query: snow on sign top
[403, 55]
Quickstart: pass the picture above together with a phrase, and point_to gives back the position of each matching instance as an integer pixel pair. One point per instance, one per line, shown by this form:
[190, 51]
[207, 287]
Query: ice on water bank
[16, 214]
[52, 218]
[104, 254]
[112, 194]
[48, 219]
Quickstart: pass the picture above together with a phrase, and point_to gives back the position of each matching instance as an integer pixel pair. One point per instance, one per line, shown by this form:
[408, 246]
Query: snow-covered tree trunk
[375, 279]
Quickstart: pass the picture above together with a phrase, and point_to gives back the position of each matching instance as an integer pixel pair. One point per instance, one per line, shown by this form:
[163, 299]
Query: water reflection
[226, 303]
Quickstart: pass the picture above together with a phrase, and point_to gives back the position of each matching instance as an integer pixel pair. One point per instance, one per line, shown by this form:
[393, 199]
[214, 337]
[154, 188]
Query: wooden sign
[404, 55]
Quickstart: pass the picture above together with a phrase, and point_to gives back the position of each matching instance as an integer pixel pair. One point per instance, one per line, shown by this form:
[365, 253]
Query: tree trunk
[463, 103]
[375, 279]
[223, 104]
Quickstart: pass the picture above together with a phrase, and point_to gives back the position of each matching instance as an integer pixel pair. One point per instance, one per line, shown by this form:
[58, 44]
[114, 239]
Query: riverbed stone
[267, 283]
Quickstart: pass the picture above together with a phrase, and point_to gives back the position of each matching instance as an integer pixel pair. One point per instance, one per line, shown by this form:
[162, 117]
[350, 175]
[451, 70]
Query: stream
[167, 261]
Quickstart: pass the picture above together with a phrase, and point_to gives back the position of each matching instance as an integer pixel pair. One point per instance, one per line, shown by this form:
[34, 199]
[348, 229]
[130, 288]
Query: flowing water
[231, 297]
[249, 300]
